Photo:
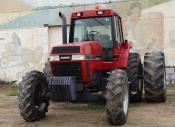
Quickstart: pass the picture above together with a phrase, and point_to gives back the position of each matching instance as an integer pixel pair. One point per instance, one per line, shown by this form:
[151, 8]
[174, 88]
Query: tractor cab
[96, 46]
[97, 25]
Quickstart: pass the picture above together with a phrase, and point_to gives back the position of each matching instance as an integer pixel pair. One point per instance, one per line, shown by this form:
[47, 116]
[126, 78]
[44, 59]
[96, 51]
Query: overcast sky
[37, 3]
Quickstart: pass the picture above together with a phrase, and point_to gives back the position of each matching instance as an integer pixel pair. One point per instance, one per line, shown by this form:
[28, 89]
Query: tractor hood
[84, 48]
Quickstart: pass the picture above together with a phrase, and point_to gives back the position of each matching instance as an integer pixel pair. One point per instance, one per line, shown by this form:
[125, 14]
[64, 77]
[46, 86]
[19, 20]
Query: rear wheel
[117, 97]
[33, 98]
[154, 77]
[135, 77]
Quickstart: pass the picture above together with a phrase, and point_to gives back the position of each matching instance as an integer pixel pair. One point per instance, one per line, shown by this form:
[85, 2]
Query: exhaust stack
[64, 27]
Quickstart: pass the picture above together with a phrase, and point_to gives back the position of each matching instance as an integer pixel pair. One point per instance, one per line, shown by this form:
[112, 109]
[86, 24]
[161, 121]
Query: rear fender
[123, 52]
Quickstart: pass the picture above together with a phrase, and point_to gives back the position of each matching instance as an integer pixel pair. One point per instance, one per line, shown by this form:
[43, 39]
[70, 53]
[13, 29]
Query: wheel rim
[125, 100]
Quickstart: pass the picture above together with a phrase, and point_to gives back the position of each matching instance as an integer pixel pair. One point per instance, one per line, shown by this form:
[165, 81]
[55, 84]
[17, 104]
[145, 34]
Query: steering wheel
[92, 33]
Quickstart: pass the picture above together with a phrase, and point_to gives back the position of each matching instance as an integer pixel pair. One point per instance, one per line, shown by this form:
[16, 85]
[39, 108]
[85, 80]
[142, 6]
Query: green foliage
[12, 93]
[171, 95]
[91, 106]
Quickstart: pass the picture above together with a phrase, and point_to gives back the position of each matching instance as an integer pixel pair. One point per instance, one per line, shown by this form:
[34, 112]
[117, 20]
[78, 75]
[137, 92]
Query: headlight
[54, 58]
[74, 57]
[78, 57]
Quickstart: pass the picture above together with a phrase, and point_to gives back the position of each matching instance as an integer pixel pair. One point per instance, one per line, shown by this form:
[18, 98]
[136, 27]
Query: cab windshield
[92, 29]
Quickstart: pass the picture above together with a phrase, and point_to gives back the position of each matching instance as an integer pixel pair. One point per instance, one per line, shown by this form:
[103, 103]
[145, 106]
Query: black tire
[135, 77]
[33, 96]
[154, 77]
[117, 97]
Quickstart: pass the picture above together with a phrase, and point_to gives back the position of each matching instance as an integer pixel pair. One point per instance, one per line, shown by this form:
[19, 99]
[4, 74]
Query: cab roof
[93, 13]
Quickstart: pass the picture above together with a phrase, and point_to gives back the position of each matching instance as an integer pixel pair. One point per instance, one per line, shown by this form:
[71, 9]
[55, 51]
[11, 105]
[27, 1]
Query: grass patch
[170, 100]
[136, 104]
[12, 93]
[171, 95]
[91, 106]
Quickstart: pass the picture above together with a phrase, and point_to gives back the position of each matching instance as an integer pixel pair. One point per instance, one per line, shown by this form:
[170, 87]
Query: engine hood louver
[71, 49]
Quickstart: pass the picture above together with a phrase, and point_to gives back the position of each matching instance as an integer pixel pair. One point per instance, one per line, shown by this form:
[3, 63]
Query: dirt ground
[87, 114]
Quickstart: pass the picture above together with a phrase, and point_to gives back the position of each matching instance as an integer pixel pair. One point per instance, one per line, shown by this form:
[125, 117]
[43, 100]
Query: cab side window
[121, 31]
[118, 29]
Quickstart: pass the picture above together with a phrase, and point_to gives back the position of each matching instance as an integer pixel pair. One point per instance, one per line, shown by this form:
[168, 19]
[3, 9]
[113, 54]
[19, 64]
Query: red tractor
[95, 64]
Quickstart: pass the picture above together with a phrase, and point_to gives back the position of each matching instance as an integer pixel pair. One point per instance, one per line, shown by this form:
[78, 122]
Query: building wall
[166, 34]
[22, 50]
[26, 49]
[55, 35]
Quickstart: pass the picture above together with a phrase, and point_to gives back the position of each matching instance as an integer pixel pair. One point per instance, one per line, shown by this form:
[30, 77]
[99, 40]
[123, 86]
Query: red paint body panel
[94, 48]
[87, 47]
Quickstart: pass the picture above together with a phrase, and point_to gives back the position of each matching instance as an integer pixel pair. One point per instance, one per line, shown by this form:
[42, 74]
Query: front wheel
[33, 96]
[117, 97]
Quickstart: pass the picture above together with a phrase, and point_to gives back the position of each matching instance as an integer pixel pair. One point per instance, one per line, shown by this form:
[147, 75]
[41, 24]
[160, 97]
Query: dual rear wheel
[152, 74]
[125, 85]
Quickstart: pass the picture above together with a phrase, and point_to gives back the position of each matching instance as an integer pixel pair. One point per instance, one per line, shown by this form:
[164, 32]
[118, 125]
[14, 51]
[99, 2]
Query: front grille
[62, 88]
[60, 50]
[67, 69]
